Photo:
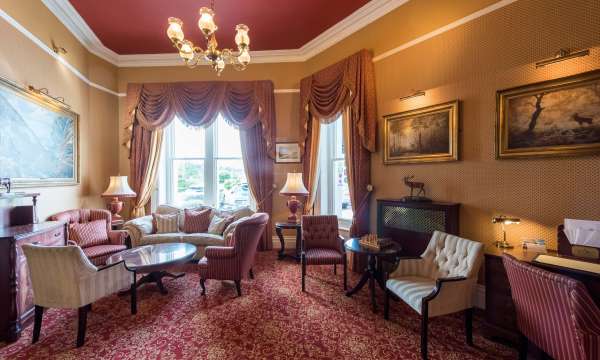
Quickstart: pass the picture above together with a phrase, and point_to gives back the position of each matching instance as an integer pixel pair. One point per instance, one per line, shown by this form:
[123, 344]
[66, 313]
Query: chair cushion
[411, 289]
[168, 223]
[196, 221]
[89, 234]
[98, 254]
[318, 256]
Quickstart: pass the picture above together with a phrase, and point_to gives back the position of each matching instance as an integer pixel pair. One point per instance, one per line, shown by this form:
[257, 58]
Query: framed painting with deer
[551, 118]
[423, 135]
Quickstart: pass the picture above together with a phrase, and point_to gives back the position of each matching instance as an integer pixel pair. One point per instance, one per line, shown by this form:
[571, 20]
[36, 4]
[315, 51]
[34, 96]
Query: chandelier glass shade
[194, 55]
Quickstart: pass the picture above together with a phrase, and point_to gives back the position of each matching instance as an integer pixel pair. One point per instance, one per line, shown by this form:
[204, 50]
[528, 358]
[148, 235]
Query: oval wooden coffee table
[153, 261]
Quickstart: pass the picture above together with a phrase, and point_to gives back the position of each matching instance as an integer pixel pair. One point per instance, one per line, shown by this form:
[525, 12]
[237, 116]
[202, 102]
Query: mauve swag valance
[242, 103]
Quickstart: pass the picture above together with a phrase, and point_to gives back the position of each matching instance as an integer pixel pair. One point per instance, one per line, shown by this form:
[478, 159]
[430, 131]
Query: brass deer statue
[414, 185]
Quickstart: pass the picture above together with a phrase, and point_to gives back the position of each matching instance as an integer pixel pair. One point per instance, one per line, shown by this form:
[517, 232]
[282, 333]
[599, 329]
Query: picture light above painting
[552, 118]
[38, 139]
[424, 135]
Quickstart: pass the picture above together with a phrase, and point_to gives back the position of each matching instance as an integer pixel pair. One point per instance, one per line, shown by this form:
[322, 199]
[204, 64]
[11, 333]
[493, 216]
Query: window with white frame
[203, 166]
[333, 178]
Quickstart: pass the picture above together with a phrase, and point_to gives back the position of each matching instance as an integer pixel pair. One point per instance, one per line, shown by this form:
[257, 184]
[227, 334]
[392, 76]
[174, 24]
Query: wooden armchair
[63, 277]
[322, 244]
[441, 281]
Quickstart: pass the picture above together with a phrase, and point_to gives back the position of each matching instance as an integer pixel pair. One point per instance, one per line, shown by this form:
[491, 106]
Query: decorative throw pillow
[89, 234]
[165, 223]
[218, 224]
[196, 221]
[231, 227]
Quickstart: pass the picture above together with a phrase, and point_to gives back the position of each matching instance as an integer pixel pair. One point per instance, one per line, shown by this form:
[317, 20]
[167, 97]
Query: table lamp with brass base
[503, 220]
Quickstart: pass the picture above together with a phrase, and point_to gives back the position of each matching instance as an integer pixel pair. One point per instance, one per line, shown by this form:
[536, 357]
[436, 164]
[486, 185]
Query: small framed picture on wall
[287, 153]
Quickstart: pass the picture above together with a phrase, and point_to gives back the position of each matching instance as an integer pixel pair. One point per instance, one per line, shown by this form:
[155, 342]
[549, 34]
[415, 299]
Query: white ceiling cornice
[360, 18]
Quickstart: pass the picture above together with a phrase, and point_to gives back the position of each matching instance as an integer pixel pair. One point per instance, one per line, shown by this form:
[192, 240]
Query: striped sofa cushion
[89, 234]
[196, 221]
[165, 223]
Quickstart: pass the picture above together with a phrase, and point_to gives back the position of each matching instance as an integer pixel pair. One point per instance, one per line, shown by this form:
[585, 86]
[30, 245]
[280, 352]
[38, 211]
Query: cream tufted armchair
[439, 282]
[64, 277]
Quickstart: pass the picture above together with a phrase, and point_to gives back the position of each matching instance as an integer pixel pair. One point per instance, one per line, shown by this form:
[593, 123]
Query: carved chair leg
[202, 286]
[238, 287]
[334, 269]
[424, 325]
[37, 323]
[133, 293]
[251, 274]
[303, 272]
[345, 274]
[82, 325]
[386, 305]
[523, 345]
[469, 326]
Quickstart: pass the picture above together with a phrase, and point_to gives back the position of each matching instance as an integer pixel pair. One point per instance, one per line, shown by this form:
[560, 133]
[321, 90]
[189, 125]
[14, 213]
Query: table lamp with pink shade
[117, 188]
[293, 187]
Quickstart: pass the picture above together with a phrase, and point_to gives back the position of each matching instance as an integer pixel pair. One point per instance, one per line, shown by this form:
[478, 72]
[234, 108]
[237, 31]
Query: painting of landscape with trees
[552, 118]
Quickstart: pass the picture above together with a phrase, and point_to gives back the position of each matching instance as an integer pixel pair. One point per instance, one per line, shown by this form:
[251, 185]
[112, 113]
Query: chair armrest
[117, 237]
[138, 228]
[439, 284]
[407, 266]
[107, 280]
[219, 252]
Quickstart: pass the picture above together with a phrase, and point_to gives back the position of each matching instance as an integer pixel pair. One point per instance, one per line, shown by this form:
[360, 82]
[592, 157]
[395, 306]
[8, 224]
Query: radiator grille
[418, 220]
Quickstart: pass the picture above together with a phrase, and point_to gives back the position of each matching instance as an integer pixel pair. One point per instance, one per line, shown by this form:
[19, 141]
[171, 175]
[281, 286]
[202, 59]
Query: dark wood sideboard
[16, 296]
[411, 223]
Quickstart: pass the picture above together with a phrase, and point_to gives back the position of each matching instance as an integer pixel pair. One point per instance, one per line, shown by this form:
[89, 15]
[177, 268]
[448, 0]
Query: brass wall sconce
[412, 95]
[58, 49]
[503, 220]
[562, 55]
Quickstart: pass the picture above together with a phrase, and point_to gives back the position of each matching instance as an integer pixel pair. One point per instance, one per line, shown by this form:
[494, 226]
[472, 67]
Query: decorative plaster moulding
[362, 17]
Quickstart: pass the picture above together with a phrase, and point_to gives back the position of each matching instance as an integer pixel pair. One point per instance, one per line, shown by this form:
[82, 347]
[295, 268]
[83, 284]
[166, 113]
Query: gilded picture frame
[559, 117]
[39, 139]
[287, 153]
[424, 135]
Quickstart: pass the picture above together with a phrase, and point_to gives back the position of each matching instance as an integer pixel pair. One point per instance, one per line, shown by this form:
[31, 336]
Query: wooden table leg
[282, 242]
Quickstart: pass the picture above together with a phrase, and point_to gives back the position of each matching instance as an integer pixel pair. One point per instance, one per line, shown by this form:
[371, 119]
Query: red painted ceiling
[139, 26]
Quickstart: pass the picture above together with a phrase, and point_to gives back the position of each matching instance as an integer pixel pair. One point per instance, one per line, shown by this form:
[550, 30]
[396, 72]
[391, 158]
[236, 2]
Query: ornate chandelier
[193, 55]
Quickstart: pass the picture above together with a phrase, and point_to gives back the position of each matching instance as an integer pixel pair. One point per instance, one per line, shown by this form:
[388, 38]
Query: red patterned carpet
[272, 320]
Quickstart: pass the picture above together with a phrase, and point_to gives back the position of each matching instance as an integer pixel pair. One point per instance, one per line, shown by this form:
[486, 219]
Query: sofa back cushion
[196, 221]
[168, 223]
[218, 224]
[89, 234]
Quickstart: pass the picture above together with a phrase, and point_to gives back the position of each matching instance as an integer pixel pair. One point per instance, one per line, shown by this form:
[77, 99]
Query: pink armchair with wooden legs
[554, 311]
[322, 244]
[91, 230]
[235, 261]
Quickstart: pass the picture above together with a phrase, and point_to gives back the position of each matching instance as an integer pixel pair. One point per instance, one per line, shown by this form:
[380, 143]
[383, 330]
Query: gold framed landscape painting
[38, 139]
[424, 135]
[552, 118]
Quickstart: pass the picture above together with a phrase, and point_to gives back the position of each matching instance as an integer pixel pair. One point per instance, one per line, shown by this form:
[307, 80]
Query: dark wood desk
[500, 316]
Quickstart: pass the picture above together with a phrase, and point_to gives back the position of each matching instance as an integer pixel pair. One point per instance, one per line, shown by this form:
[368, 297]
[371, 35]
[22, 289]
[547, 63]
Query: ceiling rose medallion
[193, 55]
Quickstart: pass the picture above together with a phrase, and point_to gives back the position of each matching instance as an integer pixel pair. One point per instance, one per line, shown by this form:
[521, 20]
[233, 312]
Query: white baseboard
[289, 241]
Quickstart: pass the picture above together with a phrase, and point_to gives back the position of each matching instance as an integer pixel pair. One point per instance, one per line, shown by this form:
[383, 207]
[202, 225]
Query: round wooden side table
[372, 274]
[279, 227]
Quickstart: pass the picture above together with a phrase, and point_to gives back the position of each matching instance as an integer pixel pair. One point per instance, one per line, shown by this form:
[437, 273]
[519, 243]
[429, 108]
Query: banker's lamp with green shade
[504, 220]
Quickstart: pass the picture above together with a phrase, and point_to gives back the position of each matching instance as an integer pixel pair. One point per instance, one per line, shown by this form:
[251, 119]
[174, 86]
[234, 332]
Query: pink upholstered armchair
[234, 261]
[322, 244]
[91, 230]
[554, 311]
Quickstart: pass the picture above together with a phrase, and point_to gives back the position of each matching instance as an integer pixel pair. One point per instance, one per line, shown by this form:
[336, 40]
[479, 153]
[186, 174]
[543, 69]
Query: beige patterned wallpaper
[470, 63]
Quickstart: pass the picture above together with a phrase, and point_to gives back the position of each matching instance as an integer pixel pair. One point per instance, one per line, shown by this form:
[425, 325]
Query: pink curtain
[247, 105]
[347, 87]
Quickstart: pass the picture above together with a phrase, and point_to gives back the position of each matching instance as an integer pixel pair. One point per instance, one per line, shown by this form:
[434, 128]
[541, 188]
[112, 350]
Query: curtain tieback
[259, 203]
